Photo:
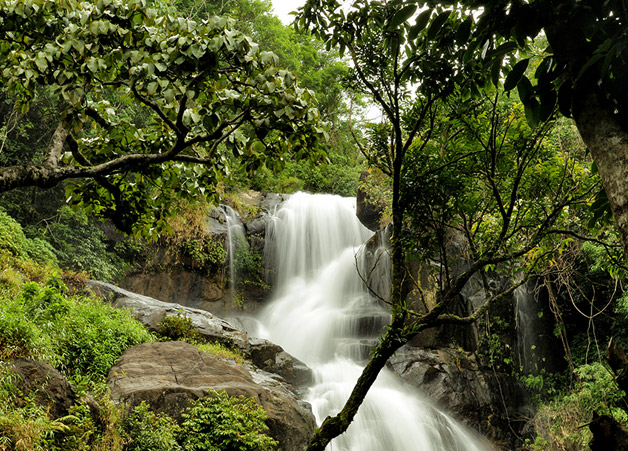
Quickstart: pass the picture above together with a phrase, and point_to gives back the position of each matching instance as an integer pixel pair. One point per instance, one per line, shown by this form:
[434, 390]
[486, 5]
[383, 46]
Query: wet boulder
[272, 358]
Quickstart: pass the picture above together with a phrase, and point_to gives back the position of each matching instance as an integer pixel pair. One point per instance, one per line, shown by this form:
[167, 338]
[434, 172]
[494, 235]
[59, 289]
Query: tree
[150, 105]
[583, 72]
[459, 166]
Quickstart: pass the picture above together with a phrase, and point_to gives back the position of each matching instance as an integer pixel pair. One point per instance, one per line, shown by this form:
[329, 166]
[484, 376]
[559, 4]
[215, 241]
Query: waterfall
[236, 238]
[323, 314]
[536, 343]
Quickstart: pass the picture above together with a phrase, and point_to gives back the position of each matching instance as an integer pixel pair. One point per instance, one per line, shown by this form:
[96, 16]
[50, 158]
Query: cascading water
[236, 238]
[322, 313]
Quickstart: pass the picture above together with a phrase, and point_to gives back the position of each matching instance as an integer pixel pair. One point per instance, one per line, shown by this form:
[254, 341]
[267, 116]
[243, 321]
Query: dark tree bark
[608, 434]
[602, 126]
[608, 143]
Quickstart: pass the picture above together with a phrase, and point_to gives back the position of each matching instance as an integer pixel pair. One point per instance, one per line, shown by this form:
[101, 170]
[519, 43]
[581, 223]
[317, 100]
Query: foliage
[190, 243]
[178, 327]
[472, 177]
[318, 69]
[80, 246]
[151, 105]
[181, 328]
[220, 422]
[559, 422]
[220, 350]
[13, 240]
[494, 349]
[78, 335]
[150, 431]
[22, 422]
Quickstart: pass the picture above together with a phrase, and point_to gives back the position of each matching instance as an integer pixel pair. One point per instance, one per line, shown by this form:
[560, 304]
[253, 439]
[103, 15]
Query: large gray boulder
[262, 353]
[150, 312]
[168, 375]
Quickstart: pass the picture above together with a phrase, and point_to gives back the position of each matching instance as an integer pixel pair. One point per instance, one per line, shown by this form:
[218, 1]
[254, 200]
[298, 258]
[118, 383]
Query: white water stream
[236, 239]
[322, 314]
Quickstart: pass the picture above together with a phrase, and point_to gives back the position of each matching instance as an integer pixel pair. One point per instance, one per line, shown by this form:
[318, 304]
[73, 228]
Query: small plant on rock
[147, 430]
[177, 328]
[220, 422]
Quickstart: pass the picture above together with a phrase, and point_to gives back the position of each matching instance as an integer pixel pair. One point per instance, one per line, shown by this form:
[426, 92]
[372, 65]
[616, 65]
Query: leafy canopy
[151, 105]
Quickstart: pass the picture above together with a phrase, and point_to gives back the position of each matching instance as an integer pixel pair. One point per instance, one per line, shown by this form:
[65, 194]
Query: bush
[79, 335]
[19, 336]
[177, 327]
[92, 336]
[220, 422]
[80, 246]
[149, 431]
[559, 422]
[13, 240]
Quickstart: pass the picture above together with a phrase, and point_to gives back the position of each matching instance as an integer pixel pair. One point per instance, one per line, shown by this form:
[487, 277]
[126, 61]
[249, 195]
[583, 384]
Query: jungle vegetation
[503, 126]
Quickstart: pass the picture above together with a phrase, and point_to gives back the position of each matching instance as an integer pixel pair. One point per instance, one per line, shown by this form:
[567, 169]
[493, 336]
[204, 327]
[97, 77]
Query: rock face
[150, 312]
[490, 403]
[168, 375]
[172, 276]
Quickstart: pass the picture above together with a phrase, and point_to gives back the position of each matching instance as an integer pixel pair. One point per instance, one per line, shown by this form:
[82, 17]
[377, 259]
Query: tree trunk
[597, 120]
[608, 143]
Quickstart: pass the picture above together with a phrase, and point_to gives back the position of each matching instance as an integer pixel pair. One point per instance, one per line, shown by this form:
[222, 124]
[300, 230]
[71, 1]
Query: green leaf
[468, 54]
[565, 93]
[437, 24]
[151, 89]
[401, 16]
[464, 31]
[525, 89]
[515, 74]
[589, 63]
[502, 50]
[548, 103]
[210, 122]
[532, 112]
[420, 24]
[41, 64]
[495, 71]
[169, 94]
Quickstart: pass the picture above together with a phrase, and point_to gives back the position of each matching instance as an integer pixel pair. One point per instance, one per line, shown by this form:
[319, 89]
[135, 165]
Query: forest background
[545, 169]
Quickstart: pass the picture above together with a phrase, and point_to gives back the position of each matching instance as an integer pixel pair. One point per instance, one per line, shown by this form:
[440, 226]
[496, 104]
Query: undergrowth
[82, 337]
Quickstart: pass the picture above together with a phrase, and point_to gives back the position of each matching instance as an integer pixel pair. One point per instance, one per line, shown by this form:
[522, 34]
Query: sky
[283, 7]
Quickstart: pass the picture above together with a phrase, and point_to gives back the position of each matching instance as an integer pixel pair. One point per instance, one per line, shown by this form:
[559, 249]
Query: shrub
[149, 431]
[13, 240]
[79, 335]
[219, 422]
[19, 336]
[177, 327]
[80, 246]
[11, 235]
[559, 422]
[91, 336]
